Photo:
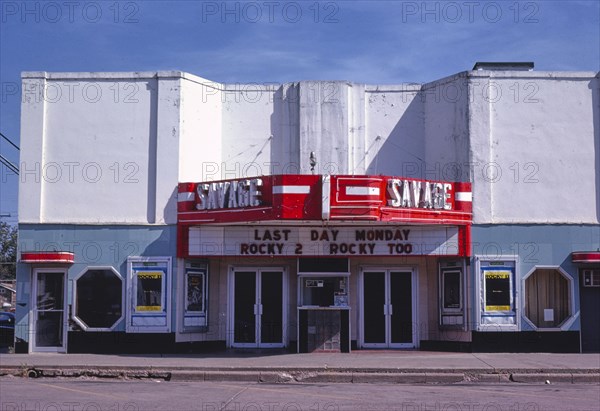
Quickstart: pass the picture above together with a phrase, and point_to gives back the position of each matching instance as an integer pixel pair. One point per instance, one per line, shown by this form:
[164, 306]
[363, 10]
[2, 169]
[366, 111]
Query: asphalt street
[49, 394]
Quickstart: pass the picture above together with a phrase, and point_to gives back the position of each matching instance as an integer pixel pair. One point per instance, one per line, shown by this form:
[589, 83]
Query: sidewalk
[358, 366]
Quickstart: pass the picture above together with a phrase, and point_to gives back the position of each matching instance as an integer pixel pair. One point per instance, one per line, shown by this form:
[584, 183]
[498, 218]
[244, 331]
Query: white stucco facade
[540, 131]
[103, 154]
[101, 139]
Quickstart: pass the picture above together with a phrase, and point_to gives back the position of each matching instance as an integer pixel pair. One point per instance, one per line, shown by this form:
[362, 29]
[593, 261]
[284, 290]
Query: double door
[258, 314]
[387, 307]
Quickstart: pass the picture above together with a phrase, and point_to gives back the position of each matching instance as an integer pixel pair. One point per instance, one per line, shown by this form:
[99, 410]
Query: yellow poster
[148, 308]
[497, 275]
[150, 275]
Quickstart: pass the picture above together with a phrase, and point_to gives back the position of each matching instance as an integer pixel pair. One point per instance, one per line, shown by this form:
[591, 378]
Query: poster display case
[148, 294]
[497, 299]
[195, 297]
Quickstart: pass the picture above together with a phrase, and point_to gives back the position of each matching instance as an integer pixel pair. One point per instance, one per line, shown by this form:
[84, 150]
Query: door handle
[385, 310]
[391, 309]
[255, 309]
[260, 309]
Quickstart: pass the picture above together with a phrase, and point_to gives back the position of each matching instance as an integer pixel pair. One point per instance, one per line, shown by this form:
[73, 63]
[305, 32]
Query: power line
[9, 165]
[7, 139]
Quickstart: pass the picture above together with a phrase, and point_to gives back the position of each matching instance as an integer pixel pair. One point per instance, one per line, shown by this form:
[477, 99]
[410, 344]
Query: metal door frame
[34, 311]
[258, 306]
[388, 308]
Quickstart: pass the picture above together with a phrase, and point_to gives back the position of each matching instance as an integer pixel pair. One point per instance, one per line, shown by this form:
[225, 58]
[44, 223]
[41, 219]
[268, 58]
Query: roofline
[403, 86]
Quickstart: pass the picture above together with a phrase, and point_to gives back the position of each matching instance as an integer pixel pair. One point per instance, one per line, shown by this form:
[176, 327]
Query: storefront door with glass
[258, 308]
[49, 326]
[387, 309]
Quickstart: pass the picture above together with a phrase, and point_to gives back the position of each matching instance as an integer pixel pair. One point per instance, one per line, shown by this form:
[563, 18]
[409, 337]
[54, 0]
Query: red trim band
[586, 257]
[47, 257]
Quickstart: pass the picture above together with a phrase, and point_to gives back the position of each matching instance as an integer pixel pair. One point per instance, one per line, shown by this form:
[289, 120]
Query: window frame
[573, 314]
[80, 321]
[591, 271]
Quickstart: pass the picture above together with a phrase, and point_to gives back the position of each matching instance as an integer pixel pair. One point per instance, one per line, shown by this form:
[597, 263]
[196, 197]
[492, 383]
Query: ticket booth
[323, 308]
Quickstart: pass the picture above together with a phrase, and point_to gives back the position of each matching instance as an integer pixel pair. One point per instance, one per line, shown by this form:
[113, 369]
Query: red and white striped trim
[362, 191]
[465, 196]
[325, 197]
[289, 189]
[47, 257]
[186, 197]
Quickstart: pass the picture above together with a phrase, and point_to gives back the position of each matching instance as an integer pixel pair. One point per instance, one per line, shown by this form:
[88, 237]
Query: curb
[551, 378]
[282, 376]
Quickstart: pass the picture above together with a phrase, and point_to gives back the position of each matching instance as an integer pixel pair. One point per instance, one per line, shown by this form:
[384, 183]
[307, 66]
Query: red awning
[586, 257]
[47, 257]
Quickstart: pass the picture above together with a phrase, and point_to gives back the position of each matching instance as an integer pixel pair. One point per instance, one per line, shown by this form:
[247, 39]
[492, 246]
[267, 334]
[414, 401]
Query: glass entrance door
[374, 309]
[49, 333]
[258, 308]
[401, 309]
[271, 309]
[245, 310]
[387, 309]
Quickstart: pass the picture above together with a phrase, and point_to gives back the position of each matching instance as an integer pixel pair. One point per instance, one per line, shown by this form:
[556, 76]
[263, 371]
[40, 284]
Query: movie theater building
[163, 212]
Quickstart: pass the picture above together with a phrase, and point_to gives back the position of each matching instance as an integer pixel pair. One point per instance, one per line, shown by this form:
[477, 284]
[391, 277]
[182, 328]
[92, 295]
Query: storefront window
[324, 291]
[547, 297]
[98, 298]
[323, 282]
[591, 278]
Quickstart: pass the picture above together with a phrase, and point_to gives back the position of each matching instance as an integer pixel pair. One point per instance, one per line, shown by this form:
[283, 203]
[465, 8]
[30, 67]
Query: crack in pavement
[483, 361]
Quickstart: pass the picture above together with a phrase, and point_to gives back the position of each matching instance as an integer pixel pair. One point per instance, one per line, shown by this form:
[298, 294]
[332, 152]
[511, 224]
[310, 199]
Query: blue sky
[375, 42]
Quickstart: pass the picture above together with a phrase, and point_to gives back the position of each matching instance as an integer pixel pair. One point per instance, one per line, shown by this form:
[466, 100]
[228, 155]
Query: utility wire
[13, 144]
[8, 164]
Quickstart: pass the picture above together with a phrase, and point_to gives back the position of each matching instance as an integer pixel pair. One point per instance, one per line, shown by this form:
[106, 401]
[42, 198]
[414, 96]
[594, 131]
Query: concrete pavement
[274, 366]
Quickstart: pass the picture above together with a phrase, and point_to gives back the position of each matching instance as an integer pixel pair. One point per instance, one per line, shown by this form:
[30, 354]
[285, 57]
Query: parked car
[7, 329]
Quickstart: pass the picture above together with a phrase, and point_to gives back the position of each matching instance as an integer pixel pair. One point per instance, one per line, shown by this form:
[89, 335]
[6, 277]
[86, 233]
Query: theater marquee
[318, 241]
[329, 215]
